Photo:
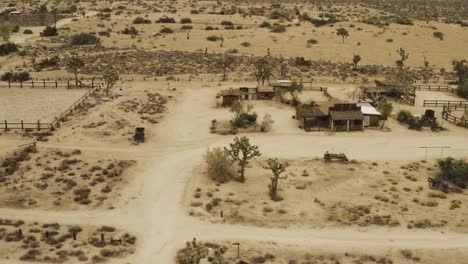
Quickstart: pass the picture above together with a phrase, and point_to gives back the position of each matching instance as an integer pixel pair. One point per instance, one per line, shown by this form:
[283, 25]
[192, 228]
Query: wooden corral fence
[443, 103]
[434, 87]
[52, 125]
[409, 98]
[447, 115]
[46, 84]
[316, 88]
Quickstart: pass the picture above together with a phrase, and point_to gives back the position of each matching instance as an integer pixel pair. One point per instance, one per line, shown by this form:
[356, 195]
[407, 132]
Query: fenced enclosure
[68, 84]
[447, 115]
[39, 125]
[433, 87]
[444, 103]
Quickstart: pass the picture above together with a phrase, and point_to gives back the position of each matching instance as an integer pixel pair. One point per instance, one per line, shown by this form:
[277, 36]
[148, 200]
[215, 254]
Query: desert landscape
[222, 132]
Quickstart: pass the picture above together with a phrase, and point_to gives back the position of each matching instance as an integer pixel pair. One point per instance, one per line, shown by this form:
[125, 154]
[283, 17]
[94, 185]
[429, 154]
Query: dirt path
[162, 225]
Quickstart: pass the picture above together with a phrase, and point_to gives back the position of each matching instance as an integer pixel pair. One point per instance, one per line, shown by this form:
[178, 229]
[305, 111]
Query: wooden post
[38, 125]
[6, 125]
[44, 83]
[68, 84]
[21, 84]
[22, 125]
[32, 82]
[56, 84]
[9, 84]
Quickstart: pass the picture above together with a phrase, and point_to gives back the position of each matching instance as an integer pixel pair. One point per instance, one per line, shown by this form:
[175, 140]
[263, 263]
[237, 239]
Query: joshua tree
[74, 65]
[110, 78]
[241, 151]
[225, 63]
[356, 60]
[263, 70]
[276, 168]
[461, 69]
[343, 33]
[403, 57]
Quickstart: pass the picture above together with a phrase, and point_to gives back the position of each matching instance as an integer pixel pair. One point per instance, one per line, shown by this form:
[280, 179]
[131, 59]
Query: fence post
[68, 84]
[9, 84]
[22, 125]
[6, 125]
[44, 83]
[32, 83]
[38, 125]
[56, 84]
[21, 84]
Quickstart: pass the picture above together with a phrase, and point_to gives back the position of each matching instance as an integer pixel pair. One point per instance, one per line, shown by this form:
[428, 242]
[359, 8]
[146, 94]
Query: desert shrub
[211, 28]
[278, 29]
[312, 41]
[462, 90]
[27, 32]
[455, 171]
[166, 30]
[232, 51]
[218, 165]
[229, 27]
[227, 23]
[438, 35]
[186, 27]
[246, 44]
[141, 20]
[213, 38]
[15, 76]
[301, 61]
[194, 12]
[15, 29]
[49, 32]
[130, 31]
[404, 21]
[8, 48]
[266, 124]
[265, 24]
[404, 115]
[84, 39]
[104, 33]
[47, 62]
[166, 20]
[185, 20]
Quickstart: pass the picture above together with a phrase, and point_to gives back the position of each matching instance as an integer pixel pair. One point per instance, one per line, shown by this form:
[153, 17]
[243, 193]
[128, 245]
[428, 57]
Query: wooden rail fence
[46, 84]
[52, 125]
[442, 103]
[447, 115]
[431, 87]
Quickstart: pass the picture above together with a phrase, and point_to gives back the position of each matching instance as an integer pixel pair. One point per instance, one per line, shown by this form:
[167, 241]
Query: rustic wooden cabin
[229, 96]
[311, 118]
[265, 92]
[371, 115]
[346, 117]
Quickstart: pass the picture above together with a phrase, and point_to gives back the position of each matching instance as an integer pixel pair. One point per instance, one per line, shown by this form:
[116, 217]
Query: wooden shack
[229, 96]
[371, 115]
[346, 117]
[311, 118]
[265, 92]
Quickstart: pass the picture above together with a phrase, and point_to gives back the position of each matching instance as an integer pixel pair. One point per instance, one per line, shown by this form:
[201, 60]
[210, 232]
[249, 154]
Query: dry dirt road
[161, 223]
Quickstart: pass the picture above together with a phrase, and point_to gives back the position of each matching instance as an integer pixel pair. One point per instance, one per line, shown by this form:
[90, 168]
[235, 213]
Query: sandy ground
[166, 162]
[31, 105]
[152, 203]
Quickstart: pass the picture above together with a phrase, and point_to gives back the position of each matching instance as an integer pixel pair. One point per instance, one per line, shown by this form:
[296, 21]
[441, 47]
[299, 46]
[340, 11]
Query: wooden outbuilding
[346, 117]
[229, 96]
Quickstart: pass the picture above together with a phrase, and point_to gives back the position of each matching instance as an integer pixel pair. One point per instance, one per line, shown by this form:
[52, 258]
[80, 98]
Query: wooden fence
[432, 87]
[443, 103]
[447, 115]
[46, 84]
[52, 125]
